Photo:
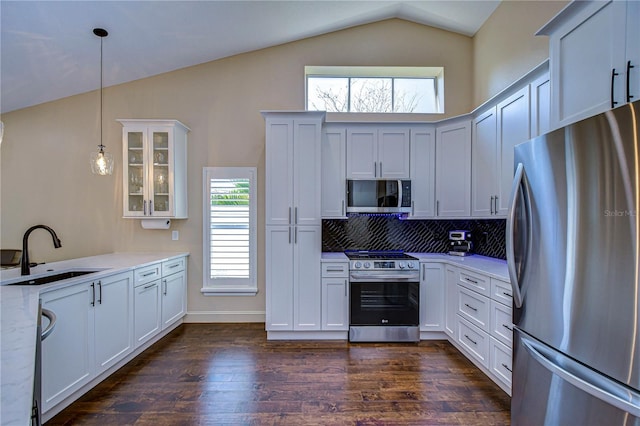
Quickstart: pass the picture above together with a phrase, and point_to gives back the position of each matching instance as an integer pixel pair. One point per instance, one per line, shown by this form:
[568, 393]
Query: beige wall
[506, 48]
[45, 175]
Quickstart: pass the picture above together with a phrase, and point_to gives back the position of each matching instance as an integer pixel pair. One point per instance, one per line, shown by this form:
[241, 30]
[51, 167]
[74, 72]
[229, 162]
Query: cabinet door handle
[295, 236]
[629, 66]
[150, 285]
[174, 266]
[342, 207]
[289, 215]
[471, 281]
[381, 169]
[437, 208]
[507, 327]
[471, 307]
[507, 294]
[424, 269]
[296, 216]
[93, 294]
[471, 340]
[491, 205]
[165, 286]
[335, 269]
[289, 235]
[144, 208]
[148, 273]
[413, 205]
[150, 207]
[100, 292]
[506, 367]
[345, 288]
[375, 169]
[613, 80]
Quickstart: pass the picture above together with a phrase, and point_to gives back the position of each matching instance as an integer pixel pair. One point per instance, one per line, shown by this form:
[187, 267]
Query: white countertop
[18, 324]
[496, 268]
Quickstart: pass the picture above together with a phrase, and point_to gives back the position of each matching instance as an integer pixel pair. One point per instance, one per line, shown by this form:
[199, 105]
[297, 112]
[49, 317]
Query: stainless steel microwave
[378, 196]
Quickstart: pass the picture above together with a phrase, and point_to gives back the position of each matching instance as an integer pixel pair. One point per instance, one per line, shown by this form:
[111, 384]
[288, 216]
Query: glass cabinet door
[160, 173]
[135, 173]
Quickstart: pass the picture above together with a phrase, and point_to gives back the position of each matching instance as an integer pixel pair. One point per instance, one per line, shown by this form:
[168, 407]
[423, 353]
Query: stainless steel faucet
[24, 264]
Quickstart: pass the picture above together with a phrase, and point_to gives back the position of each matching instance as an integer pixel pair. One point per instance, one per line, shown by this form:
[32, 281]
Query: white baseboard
[224, 316]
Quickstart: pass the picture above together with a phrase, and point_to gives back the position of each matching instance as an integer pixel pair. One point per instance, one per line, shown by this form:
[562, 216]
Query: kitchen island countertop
[18, 323]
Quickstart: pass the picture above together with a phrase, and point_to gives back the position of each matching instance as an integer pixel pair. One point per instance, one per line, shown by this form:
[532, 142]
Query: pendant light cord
[101, 96]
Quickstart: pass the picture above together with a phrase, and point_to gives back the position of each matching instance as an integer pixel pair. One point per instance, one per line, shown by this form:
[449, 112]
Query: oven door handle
[383, 278]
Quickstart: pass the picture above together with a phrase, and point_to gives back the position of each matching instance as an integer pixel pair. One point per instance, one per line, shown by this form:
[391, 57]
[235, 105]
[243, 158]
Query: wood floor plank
[219, 374]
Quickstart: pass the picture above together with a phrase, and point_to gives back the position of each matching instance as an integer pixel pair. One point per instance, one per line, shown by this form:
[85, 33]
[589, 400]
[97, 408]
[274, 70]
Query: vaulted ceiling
[48, 50]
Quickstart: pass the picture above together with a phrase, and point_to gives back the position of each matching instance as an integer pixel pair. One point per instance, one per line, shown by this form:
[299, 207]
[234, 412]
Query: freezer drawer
[551, 389]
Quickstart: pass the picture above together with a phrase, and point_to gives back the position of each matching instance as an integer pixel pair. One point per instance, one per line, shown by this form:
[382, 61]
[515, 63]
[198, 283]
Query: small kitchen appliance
[378, 196]
[460, 243]
[384, 296]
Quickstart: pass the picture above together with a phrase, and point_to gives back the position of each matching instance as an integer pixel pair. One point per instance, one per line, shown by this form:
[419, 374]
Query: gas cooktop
[377, 254]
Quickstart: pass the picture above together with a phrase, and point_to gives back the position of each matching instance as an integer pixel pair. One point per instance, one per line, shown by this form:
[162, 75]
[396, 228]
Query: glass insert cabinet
[155, 168]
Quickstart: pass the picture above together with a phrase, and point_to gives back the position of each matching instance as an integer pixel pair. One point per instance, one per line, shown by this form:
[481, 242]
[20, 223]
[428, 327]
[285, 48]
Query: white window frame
[436, 73]
[229, 286]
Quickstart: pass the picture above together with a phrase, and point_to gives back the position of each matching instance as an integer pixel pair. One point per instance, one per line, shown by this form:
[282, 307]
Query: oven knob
[401, 265]
[410, 265]
[357, 265]
[367, 265]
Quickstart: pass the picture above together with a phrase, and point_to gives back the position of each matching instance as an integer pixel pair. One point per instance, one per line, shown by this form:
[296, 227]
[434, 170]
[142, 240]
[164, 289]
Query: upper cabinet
[293, 175]
[334, 172]
[453, 169]
[484, 173]
[374, 152]
[423, 172]
[155, 169]
[594, 53]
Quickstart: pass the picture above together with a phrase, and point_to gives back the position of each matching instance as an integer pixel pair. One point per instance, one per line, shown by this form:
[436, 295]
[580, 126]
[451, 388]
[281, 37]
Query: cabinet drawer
[474, 308]
[500, 364]
[146, 274]
[172, 266]
[336, 269]
[501, 291]
[475, 282]
[501, 323]
[474, 340]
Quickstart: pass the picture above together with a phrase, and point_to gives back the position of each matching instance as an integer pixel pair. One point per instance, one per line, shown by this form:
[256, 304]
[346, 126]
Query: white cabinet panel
[279, 171]
[484, 174]
[378, 152]
[174, 288]
[393, 153]
[334, 173]
[307, 290]
[423, 172]
[362, 153]
[147, 311]
[501, 356]
[540, 90]
[432, 297]
[279, 278]
[501, 291]
[501, 326]
[306, 171]
[335, 304]
[474, 340]
[474, 308]
[453, 169]
[474, 281]
[633, 52]
[451, 300]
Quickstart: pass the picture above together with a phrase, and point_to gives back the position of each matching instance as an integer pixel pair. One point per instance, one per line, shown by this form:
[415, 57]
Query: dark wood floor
[217, 374]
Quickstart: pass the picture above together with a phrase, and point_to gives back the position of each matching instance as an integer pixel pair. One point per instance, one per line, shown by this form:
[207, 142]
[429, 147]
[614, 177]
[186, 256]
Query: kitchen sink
[56, 277]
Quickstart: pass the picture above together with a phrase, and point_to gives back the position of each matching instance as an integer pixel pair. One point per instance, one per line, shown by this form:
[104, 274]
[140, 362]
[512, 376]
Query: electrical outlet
[175, 235]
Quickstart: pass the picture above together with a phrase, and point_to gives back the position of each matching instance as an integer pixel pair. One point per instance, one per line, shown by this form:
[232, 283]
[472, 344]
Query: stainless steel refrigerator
[572, 251]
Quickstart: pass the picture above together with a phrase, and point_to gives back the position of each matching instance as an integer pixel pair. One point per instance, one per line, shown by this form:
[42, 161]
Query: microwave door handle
[399, 193]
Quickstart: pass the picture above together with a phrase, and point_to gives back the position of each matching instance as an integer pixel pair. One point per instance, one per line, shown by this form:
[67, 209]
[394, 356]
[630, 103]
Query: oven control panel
[378, 265]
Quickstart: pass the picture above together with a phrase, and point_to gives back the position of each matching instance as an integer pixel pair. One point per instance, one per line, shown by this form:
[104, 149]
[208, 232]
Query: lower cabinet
[94, 331]
[432, 297]
[174, 289]
[335, 296]
[147, 320]
[451, 301]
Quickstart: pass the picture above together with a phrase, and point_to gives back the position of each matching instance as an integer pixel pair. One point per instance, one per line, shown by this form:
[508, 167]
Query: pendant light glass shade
[101, 162]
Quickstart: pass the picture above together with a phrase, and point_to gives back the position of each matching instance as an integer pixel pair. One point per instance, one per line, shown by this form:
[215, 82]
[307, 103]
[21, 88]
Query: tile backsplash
[388, 232]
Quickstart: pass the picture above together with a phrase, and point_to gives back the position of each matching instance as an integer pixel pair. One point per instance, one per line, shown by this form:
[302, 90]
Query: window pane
[327, 94]
[416, 95]
[229, 234]
[371, 95]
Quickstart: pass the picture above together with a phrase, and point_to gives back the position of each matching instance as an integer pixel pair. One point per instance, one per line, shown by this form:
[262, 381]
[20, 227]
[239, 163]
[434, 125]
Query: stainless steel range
[384, 296]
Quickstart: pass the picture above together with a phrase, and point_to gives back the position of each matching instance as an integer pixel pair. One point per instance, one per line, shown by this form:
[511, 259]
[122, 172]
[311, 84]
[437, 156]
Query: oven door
[385, 303]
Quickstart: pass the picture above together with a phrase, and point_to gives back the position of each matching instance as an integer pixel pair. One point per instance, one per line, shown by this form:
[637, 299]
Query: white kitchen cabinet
[147, 311]
[484, 174]
[588, 58]
[68, 352]
[423, 172]
[293, 274]
[378, 152]
[174, 291]
[453, 169]
[632, 71]
[513, 123]
[500, 356]
[154, 169]
[335, 296]
[94, 331]
[451, 301]
[474, 340]
[540, 93]
[432, 296]
[501, 323]
[293, 168]
[334, 172]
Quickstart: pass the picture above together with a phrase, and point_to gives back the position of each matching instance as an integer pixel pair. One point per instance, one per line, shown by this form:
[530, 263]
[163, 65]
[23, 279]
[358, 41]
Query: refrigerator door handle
[583, 378]
[511, 262]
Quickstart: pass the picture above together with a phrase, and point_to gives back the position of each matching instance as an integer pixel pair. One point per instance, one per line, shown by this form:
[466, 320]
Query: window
[375, 89]
[229, 231]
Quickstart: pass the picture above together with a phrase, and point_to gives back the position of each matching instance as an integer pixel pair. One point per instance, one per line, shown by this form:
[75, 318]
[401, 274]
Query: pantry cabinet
[453, 169]
[94, 331]
[593, 46]
[377, 152]
[154, 169]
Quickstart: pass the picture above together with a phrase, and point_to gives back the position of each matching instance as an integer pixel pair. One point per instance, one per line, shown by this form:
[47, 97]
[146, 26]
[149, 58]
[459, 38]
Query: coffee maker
[460, 243]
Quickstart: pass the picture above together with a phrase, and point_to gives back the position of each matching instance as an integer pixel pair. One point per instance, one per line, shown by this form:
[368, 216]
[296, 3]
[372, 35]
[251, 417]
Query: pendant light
[101, 162]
